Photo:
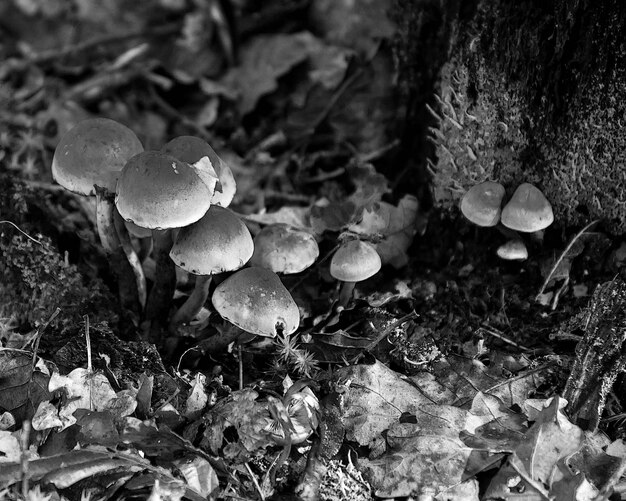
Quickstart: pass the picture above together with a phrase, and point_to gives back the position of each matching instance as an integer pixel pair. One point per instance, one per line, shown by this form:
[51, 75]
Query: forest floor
[444, 374]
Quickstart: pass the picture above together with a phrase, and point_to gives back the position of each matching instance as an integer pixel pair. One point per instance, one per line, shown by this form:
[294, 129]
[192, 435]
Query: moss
[479, 136]
[37, 277]
[37, 281]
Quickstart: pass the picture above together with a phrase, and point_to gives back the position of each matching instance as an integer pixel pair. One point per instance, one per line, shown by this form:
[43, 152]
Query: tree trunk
[533, 90]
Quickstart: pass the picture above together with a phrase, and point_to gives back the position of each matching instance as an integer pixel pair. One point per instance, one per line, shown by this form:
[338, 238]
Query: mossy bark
[518, 91]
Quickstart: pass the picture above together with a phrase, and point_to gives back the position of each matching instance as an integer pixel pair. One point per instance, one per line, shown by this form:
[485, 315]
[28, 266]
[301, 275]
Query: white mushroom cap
[284, 249]
[354, 261]
[93, 152]
[157, 191]
[481, 203]
[255, 300]
[513, 250]
[218, 242]
[528, 210]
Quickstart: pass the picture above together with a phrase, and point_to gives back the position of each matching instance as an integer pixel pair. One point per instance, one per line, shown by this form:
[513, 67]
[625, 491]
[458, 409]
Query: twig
[40, 332]
[562, 256]
[325, 176]
[557, 294]
[492, 332]
[21, 231]
[88, 344]
[385, 332]
[24, 470]
[255, 481]
[370, 156]
[333, 100]
[173, 113]
[308, 270]
[461, 403]
[94, 87]
[52, 54]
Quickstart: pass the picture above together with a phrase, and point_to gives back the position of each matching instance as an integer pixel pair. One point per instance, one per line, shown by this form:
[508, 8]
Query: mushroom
[217, 243]
[191, 149]
[513, 250]
[158, 192]
[88, 160]
[481, 203]
[284, 249]
[255, 300]
[528, 210]
[353, 262]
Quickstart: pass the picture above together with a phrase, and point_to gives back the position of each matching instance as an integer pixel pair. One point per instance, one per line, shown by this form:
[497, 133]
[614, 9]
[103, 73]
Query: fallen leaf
[9, 447]
[358, 24]
[263, 60]
[84, 390]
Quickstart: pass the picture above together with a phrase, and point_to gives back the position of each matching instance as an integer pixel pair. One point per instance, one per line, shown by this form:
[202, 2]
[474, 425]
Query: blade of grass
[562, 256]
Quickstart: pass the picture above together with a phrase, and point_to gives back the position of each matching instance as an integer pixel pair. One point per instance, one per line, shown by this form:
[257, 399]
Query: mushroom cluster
[527, 211]
[178, 199]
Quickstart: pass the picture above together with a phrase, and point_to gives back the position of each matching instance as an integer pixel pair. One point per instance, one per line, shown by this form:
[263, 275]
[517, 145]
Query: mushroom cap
[528, 210]
[481, 203]
[255, 300]
[218, 242]
[93, 152]
[190, 149]
[513, 250]
[354, 261]
[284, 249]
[157, 191]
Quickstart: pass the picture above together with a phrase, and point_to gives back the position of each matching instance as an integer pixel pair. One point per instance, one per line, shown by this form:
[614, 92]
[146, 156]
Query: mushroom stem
[131, 257]
[160, 297]
[345, 293]
[105, 222]
[192, 305]
[105, 210]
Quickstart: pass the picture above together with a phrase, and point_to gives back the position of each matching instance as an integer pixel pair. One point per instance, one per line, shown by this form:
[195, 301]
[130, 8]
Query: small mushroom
[528, 210]
[513, 250]
[158, 192]
[217, 243]
[353, 262]
[191, 149]
[255, 300]
[284, 249]
[88, 161]
[481, 203]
